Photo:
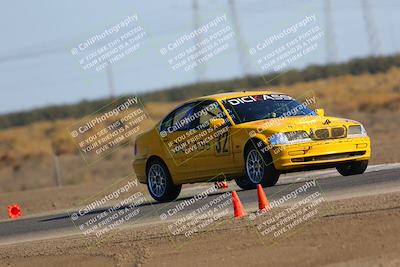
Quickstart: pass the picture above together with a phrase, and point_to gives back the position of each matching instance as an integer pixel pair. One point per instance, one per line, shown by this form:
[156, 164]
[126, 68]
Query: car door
[174, 134]
[214, 146]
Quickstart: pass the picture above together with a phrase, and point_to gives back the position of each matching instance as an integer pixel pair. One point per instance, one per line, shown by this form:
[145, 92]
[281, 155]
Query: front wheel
[259, 169]
[159, 182]
[353, 168]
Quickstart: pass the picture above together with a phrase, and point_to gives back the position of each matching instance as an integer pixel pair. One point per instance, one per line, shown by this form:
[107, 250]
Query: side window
[208, 110]
[167, 122]
[184, 118]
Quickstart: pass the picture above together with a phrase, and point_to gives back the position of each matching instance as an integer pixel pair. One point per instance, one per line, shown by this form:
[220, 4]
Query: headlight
[278, 139]
[297, 136]
[356, 131]
[289, 138]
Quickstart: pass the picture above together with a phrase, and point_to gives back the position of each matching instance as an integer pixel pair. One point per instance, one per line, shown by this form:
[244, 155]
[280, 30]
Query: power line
[36, 52]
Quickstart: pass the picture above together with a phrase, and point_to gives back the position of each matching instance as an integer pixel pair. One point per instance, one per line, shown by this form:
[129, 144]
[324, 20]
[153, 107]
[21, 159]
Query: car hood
[296, 123]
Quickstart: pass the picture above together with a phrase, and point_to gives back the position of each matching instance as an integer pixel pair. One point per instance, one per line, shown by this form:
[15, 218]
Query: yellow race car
[250, 136]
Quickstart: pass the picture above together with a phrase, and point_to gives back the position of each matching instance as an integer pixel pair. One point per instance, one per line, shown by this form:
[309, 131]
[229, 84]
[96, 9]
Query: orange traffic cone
[14, 211]
[221, 184]
[263, 203]
[238, 210]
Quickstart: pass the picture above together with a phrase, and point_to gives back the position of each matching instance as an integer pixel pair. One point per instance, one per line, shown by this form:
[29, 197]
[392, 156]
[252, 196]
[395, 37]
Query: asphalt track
[330, 185]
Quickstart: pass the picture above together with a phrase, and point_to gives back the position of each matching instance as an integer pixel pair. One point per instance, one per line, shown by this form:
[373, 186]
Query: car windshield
[267, 106]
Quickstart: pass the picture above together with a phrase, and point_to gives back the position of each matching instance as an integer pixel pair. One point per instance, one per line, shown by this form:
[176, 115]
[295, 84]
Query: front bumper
[324, 152]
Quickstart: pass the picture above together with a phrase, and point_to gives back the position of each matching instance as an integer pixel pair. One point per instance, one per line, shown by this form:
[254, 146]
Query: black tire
[167, 190]
[268, 175]
[353, 168]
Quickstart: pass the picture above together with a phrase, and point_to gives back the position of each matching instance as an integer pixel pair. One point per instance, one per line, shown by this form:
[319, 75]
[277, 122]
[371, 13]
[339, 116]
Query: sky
[37, 67]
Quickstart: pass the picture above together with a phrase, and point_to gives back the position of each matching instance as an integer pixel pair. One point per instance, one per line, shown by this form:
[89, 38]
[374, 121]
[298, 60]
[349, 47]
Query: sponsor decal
[249, 99]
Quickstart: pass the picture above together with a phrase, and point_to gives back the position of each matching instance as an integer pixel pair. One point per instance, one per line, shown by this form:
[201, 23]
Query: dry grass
[346, 94]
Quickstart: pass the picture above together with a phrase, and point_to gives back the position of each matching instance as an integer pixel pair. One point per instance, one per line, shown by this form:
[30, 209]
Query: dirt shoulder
[353, 232]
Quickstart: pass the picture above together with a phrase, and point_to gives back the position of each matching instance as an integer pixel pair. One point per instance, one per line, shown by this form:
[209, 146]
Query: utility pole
[372, 30]
[57, 172]
[393, 37]
[240, 43]
[200, 69]
[331, 48]
[110, 81]
[56, 163]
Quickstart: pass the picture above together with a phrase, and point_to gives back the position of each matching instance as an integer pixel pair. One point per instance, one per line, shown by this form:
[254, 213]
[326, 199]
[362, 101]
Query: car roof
[227, 95]
[222, 96]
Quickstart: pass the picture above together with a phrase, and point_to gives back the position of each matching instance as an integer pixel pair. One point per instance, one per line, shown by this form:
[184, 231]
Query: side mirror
[320, 112]
[216, 123]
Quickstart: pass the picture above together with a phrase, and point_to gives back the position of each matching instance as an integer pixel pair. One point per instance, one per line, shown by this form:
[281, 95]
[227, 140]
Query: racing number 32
[221, 146]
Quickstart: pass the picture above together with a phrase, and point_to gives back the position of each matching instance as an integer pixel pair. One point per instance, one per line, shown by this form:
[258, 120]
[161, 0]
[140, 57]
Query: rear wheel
[159, 182]
[259, 169]
[353, 168]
